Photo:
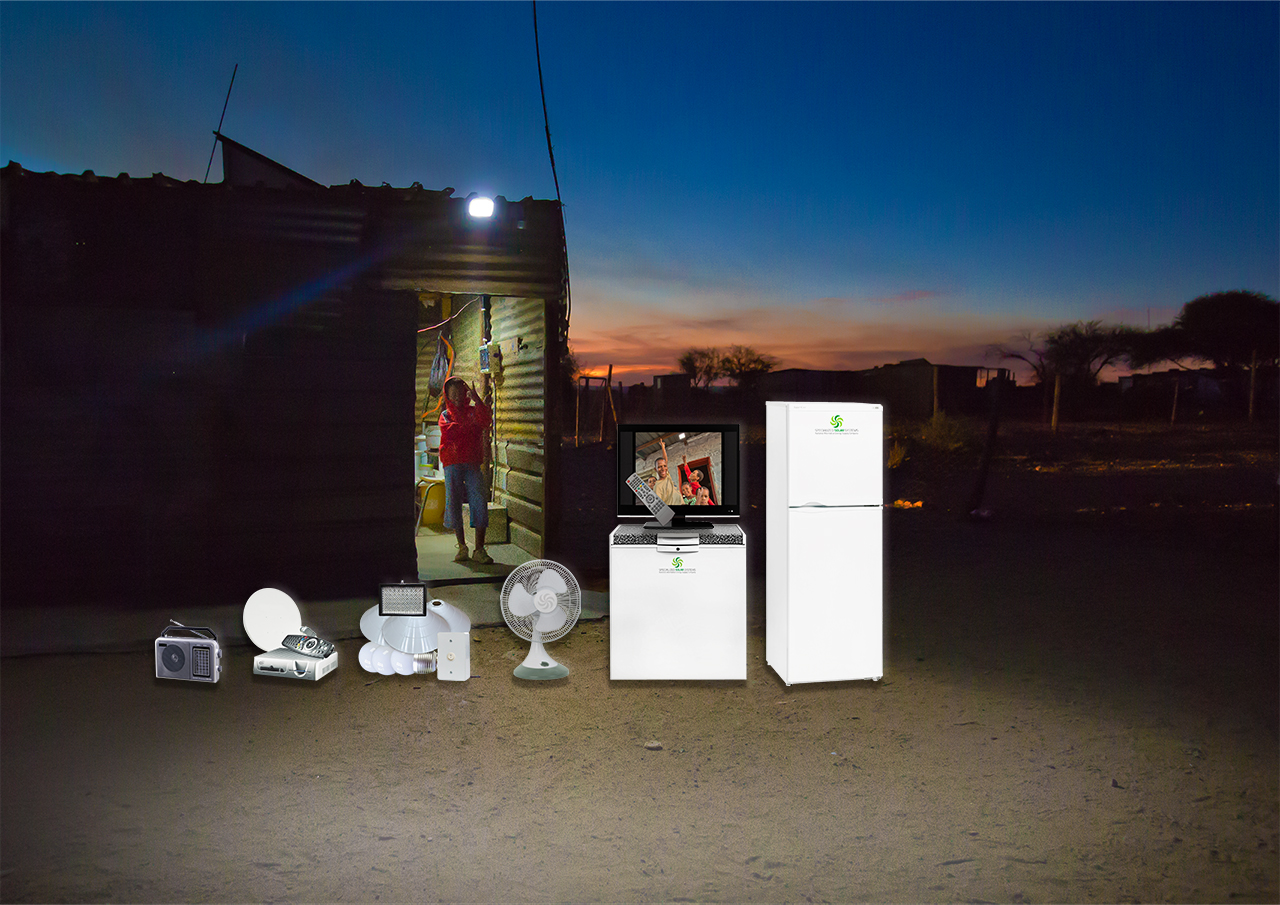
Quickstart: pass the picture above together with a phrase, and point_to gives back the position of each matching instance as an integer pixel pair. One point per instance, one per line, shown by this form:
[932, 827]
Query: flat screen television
[692, 467]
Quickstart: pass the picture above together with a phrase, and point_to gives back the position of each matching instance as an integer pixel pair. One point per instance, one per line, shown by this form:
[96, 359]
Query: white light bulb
[480, 207]
[402, 662]
[366, 656]
[382, 660]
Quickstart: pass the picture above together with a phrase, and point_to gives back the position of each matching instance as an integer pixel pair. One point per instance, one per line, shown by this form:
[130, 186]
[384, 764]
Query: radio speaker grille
[202, 662]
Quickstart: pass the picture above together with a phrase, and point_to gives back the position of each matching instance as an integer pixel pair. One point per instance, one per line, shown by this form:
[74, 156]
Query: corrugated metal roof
[417, 239]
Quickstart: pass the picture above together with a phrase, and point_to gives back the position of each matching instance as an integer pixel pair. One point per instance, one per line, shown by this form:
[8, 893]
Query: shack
[211, 388]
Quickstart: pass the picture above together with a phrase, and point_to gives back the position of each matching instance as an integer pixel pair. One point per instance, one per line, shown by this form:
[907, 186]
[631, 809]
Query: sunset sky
[838, 185]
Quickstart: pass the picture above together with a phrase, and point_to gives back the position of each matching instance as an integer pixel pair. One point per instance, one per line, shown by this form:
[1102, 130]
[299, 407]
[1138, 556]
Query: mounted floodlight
[480, 207]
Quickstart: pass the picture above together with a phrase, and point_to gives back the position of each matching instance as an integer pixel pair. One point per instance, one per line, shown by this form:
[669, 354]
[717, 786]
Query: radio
[196, 659]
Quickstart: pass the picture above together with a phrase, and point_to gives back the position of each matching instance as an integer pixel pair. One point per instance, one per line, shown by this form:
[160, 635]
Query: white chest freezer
[678, 603]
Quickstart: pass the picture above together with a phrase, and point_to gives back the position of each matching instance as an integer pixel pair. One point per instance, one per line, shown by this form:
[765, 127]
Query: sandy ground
[1077, 707]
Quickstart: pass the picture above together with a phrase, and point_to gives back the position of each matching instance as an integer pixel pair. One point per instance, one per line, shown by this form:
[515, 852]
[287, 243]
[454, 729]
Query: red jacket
[462, 433]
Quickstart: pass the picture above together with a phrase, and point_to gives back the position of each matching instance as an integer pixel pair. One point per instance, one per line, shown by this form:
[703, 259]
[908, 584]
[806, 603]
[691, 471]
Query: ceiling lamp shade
[414, 634]
[458, 620]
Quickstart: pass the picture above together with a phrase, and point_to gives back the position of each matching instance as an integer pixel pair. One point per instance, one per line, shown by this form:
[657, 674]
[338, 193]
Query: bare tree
[703, 365]
[1069, 354]
[744, 365]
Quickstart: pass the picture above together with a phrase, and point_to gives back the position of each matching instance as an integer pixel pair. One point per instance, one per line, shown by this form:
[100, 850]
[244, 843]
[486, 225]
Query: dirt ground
[1081, 703]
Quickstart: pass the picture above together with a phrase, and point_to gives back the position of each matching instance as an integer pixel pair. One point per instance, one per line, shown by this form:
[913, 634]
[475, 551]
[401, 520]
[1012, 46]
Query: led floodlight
[403, 599]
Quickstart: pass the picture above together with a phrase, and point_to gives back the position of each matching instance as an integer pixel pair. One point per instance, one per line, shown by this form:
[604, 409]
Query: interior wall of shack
[515, 467]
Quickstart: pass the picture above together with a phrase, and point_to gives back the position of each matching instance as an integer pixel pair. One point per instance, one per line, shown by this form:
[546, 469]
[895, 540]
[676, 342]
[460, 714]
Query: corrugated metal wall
[520, 418]
[207, 388]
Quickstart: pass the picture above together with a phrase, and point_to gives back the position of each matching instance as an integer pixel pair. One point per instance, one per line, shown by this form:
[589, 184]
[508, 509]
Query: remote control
[661, 511]
[308, 644]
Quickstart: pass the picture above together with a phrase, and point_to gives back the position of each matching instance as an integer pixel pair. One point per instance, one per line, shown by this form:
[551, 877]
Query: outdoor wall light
[479, 207]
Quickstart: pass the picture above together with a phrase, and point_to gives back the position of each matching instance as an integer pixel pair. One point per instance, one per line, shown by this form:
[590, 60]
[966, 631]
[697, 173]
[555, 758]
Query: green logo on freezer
[837, 428]
[678, 563]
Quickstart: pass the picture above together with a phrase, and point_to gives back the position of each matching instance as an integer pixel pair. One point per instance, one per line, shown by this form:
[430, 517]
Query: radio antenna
[218, 132]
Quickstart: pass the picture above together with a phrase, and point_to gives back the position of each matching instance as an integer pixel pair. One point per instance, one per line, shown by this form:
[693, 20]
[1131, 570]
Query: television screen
[693, 468]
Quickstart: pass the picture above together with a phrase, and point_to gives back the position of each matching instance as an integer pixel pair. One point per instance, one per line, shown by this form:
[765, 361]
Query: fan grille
[526, 575]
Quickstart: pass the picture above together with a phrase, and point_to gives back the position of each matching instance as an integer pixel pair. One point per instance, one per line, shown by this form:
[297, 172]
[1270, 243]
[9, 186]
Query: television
[698, 478]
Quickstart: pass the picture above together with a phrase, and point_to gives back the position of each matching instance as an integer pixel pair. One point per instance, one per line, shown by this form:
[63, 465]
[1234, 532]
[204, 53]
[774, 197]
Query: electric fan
[541, 602]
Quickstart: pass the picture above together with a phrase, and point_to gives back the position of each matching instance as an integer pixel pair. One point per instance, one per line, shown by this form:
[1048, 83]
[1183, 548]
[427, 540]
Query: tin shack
[211, 388]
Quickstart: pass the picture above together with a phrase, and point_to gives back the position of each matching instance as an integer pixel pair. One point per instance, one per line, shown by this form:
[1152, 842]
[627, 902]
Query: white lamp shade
[414, 634]
[371, 624]
[458, 620]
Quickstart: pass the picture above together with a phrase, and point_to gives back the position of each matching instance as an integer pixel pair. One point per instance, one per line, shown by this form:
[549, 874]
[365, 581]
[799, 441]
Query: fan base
[552, 671]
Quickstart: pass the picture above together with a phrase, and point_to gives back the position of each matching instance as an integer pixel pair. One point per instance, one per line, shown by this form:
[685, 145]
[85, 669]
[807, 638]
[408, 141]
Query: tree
[1231, 329]
[704, 366]
[1081, 350]
[1072, 354]
[1235, 330]
[1031, 355]
[744, 365]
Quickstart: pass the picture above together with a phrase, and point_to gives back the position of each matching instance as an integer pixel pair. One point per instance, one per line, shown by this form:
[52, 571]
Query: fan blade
[549, 622]
[521, 601]
[551, 580]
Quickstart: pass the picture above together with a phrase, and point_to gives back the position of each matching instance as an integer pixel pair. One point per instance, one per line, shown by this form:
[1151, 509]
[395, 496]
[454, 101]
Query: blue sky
[837, 184]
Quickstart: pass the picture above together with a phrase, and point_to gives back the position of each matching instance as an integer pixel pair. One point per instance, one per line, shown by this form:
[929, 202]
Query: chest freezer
[678, 603]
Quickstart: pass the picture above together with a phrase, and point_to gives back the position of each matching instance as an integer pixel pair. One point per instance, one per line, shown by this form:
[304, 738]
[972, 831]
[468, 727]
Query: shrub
[945, 432]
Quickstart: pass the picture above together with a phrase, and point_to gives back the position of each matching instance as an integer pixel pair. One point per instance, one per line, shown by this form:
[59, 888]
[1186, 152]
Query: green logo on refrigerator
[837, 422]
[678, 563]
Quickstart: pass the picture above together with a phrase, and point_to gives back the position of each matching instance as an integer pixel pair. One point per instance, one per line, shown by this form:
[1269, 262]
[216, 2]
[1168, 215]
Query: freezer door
[835, 455]
[835, 595]
[678, 617]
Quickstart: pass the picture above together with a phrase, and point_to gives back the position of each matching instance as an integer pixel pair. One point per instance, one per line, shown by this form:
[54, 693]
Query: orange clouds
[641, 340]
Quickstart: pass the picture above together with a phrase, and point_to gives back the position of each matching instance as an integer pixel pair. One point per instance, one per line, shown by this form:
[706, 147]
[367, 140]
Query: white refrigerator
[824, 559]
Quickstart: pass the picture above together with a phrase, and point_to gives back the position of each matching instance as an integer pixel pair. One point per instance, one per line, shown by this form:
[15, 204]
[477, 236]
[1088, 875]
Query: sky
[838, 185]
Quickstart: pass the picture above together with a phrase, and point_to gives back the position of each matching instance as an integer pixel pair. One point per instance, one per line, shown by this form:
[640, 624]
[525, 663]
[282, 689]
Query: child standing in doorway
[462, 442]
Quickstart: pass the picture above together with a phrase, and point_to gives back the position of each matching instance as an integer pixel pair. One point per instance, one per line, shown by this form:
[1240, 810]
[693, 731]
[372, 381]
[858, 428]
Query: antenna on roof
[218, 131]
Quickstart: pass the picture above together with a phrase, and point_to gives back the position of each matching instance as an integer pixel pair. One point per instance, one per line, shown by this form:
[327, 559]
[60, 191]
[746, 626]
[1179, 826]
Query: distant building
[912, 389]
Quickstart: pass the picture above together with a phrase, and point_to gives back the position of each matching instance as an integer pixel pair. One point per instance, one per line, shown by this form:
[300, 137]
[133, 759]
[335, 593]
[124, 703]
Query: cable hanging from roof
[551, 154]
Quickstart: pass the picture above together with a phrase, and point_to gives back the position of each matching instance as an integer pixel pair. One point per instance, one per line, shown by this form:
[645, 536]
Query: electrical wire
[218, 132]
[546, 121]
[449, 318]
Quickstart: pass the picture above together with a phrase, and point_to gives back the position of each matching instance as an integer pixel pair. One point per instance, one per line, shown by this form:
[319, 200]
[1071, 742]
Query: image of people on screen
[683, 469]
[692, 487]
[665, 486]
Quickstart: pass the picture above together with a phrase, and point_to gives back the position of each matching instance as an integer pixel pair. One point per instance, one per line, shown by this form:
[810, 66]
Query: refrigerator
[824, 541]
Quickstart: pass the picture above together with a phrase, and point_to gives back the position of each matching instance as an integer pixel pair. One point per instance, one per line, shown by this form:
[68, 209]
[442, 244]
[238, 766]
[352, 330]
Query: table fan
[541, 602]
